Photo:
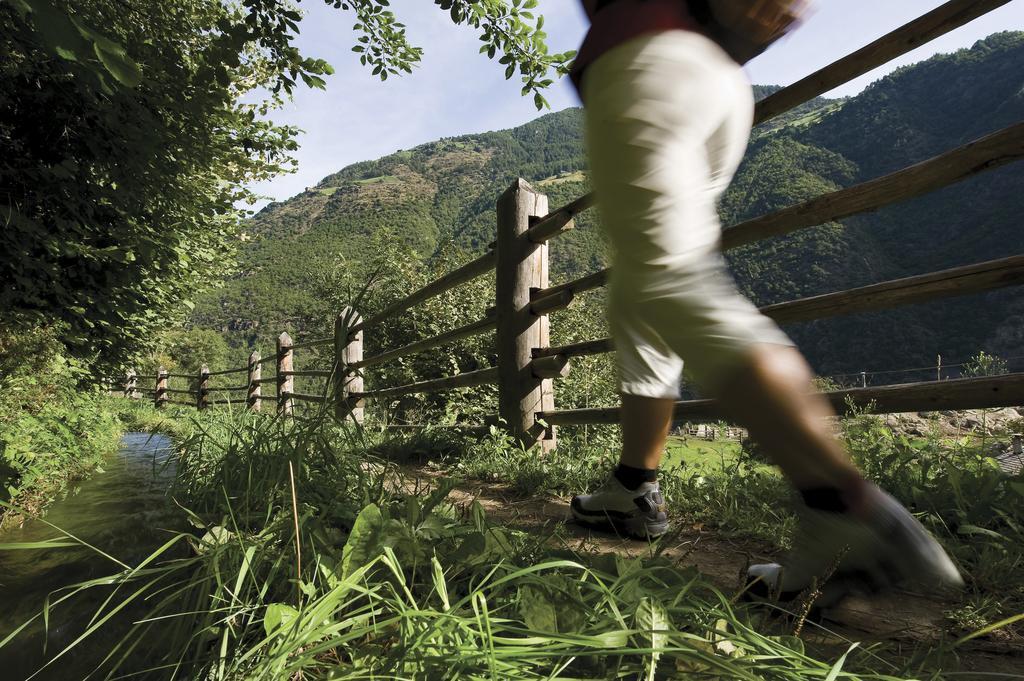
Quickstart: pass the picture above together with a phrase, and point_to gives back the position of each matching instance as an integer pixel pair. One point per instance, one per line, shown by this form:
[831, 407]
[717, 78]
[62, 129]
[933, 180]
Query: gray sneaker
[638, 513]
[883, 547]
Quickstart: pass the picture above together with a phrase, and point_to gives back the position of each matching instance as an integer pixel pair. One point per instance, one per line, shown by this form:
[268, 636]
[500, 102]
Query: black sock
[631, 477]
[825, 499]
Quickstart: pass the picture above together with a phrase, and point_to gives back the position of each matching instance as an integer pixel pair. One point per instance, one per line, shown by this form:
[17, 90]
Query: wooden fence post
[348, 349]
[203, 388]
[522, 266]
[160, 394]
[130, 384]
[285, 381]
[252, 398]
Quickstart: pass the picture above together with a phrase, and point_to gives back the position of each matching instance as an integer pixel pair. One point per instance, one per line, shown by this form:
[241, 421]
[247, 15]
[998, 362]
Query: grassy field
[691, 452]
[312, 557]
[380, 179]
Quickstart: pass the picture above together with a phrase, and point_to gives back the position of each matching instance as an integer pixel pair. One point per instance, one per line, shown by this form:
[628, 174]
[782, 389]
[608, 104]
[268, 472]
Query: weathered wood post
[863, 379]
[130, 384]
[160, 394]
[348, 350]
[285, 380]
[522, 266]
[252, 398]
[938, 368]
[203, 388]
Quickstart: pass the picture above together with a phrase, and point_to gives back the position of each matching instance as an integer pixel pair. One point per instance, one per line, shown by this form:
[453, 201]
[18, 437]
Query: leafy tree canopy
[129, 130]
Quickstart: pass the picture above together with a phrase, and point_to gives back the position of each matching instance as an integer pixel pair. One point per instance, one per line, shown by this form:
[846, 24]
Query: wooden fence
[527, 365]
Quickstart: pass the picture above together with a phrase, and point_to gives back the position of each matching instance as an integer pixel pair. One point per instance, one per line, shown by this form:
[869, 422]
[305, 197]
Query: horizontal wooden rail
[549, 298]
[179, 392]
[318, 373]
[957, 281]
[467, 272]
[190, 377]
[217, 402]
[558, 221]
[312, 343]
[267, 359]
[240, 370]
[908, 37]
[962, 393]
[985, 153]
[485, 324]
[591, 347]
[552, 366]
[551, 302]
[468, 428]
[467, 380]
[303, 397]
[228, 389]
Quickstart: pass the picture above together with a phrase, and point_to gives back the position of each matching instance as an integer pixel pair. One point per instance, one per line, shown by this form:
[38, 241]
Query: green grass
[380, 179]
[576, 176]
[976, 511]
[311, 559]
[42, 452]
[693, 451]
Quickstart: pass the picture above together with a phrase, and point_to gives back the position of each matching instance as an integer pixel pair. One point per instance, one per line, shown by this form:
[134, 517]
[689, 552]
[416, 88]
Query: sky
[456, 91]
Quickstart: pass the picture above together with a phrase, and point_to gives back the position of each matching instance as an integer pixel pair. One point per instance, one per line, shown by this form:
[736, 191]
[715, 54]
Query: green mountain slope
[439, 197]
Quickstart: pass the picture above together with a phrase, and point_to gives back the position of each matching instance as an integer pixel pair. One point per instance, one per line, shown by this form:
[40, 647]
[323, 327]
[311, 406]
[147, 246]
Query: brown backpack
[745, 28]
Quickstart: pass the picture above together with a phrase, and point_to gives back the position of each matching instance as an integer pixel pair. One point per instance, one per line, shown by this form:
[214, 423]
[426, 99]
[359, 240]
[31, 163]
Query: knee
[775, 366]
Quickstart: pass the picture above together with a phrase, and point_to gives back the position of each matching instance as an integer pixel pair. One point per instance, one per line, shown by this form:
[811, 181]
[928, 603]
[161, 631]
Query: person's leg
[770, 393]
[772, 396]
[645, 425]
[651, 104]
[666, 127]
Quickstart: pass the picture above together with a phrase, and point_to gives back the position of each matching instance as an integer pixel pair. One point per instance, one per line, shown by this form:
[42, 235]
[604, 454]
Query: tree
[185, 351]
[124, 150]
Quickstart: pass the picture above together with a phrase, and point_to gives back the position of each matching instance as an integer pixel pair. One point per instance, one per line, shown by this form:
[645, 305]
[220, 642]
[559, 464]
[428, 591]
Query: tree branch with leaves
[131, 129]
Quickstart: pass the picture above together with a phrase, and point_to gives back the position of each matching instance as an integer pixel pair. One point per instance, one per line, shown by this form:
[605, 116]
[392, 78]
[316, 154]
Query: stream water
[124, 511]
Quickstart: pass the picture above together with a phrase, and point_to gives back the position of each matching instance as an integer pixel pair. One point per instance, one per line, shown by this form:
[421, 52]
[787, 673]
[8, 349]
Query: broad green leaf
[59, 32]
[536, 609]
[364, 541]
[653, 622]
[278, 616]
[120, 66]
[974, 529]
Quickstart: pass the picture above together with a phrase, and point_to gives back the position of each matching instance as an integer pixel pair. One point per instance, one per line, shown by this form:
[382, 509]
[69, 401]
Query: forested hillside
[439, 197]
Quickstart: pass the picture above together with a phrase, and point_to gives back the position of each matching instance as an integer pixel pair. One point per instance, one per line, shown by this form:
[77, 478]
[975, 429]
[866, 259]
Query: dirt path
[902, 618]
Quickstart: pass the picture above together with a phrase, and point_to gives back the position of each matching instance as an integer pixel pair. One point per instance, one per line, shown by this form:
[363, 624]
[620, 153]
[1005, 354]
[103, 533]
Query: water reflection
[124, 511]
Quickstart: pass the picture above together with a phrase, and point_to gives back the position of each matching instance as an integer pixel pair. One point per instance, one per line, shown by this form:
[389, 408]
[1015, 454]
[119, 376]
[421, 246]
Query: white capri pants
[668, 116]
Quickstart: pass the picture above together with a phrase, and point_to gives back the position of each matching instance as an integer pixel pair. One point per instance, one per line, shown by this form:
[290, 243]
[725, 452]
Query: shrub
[52, 429]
